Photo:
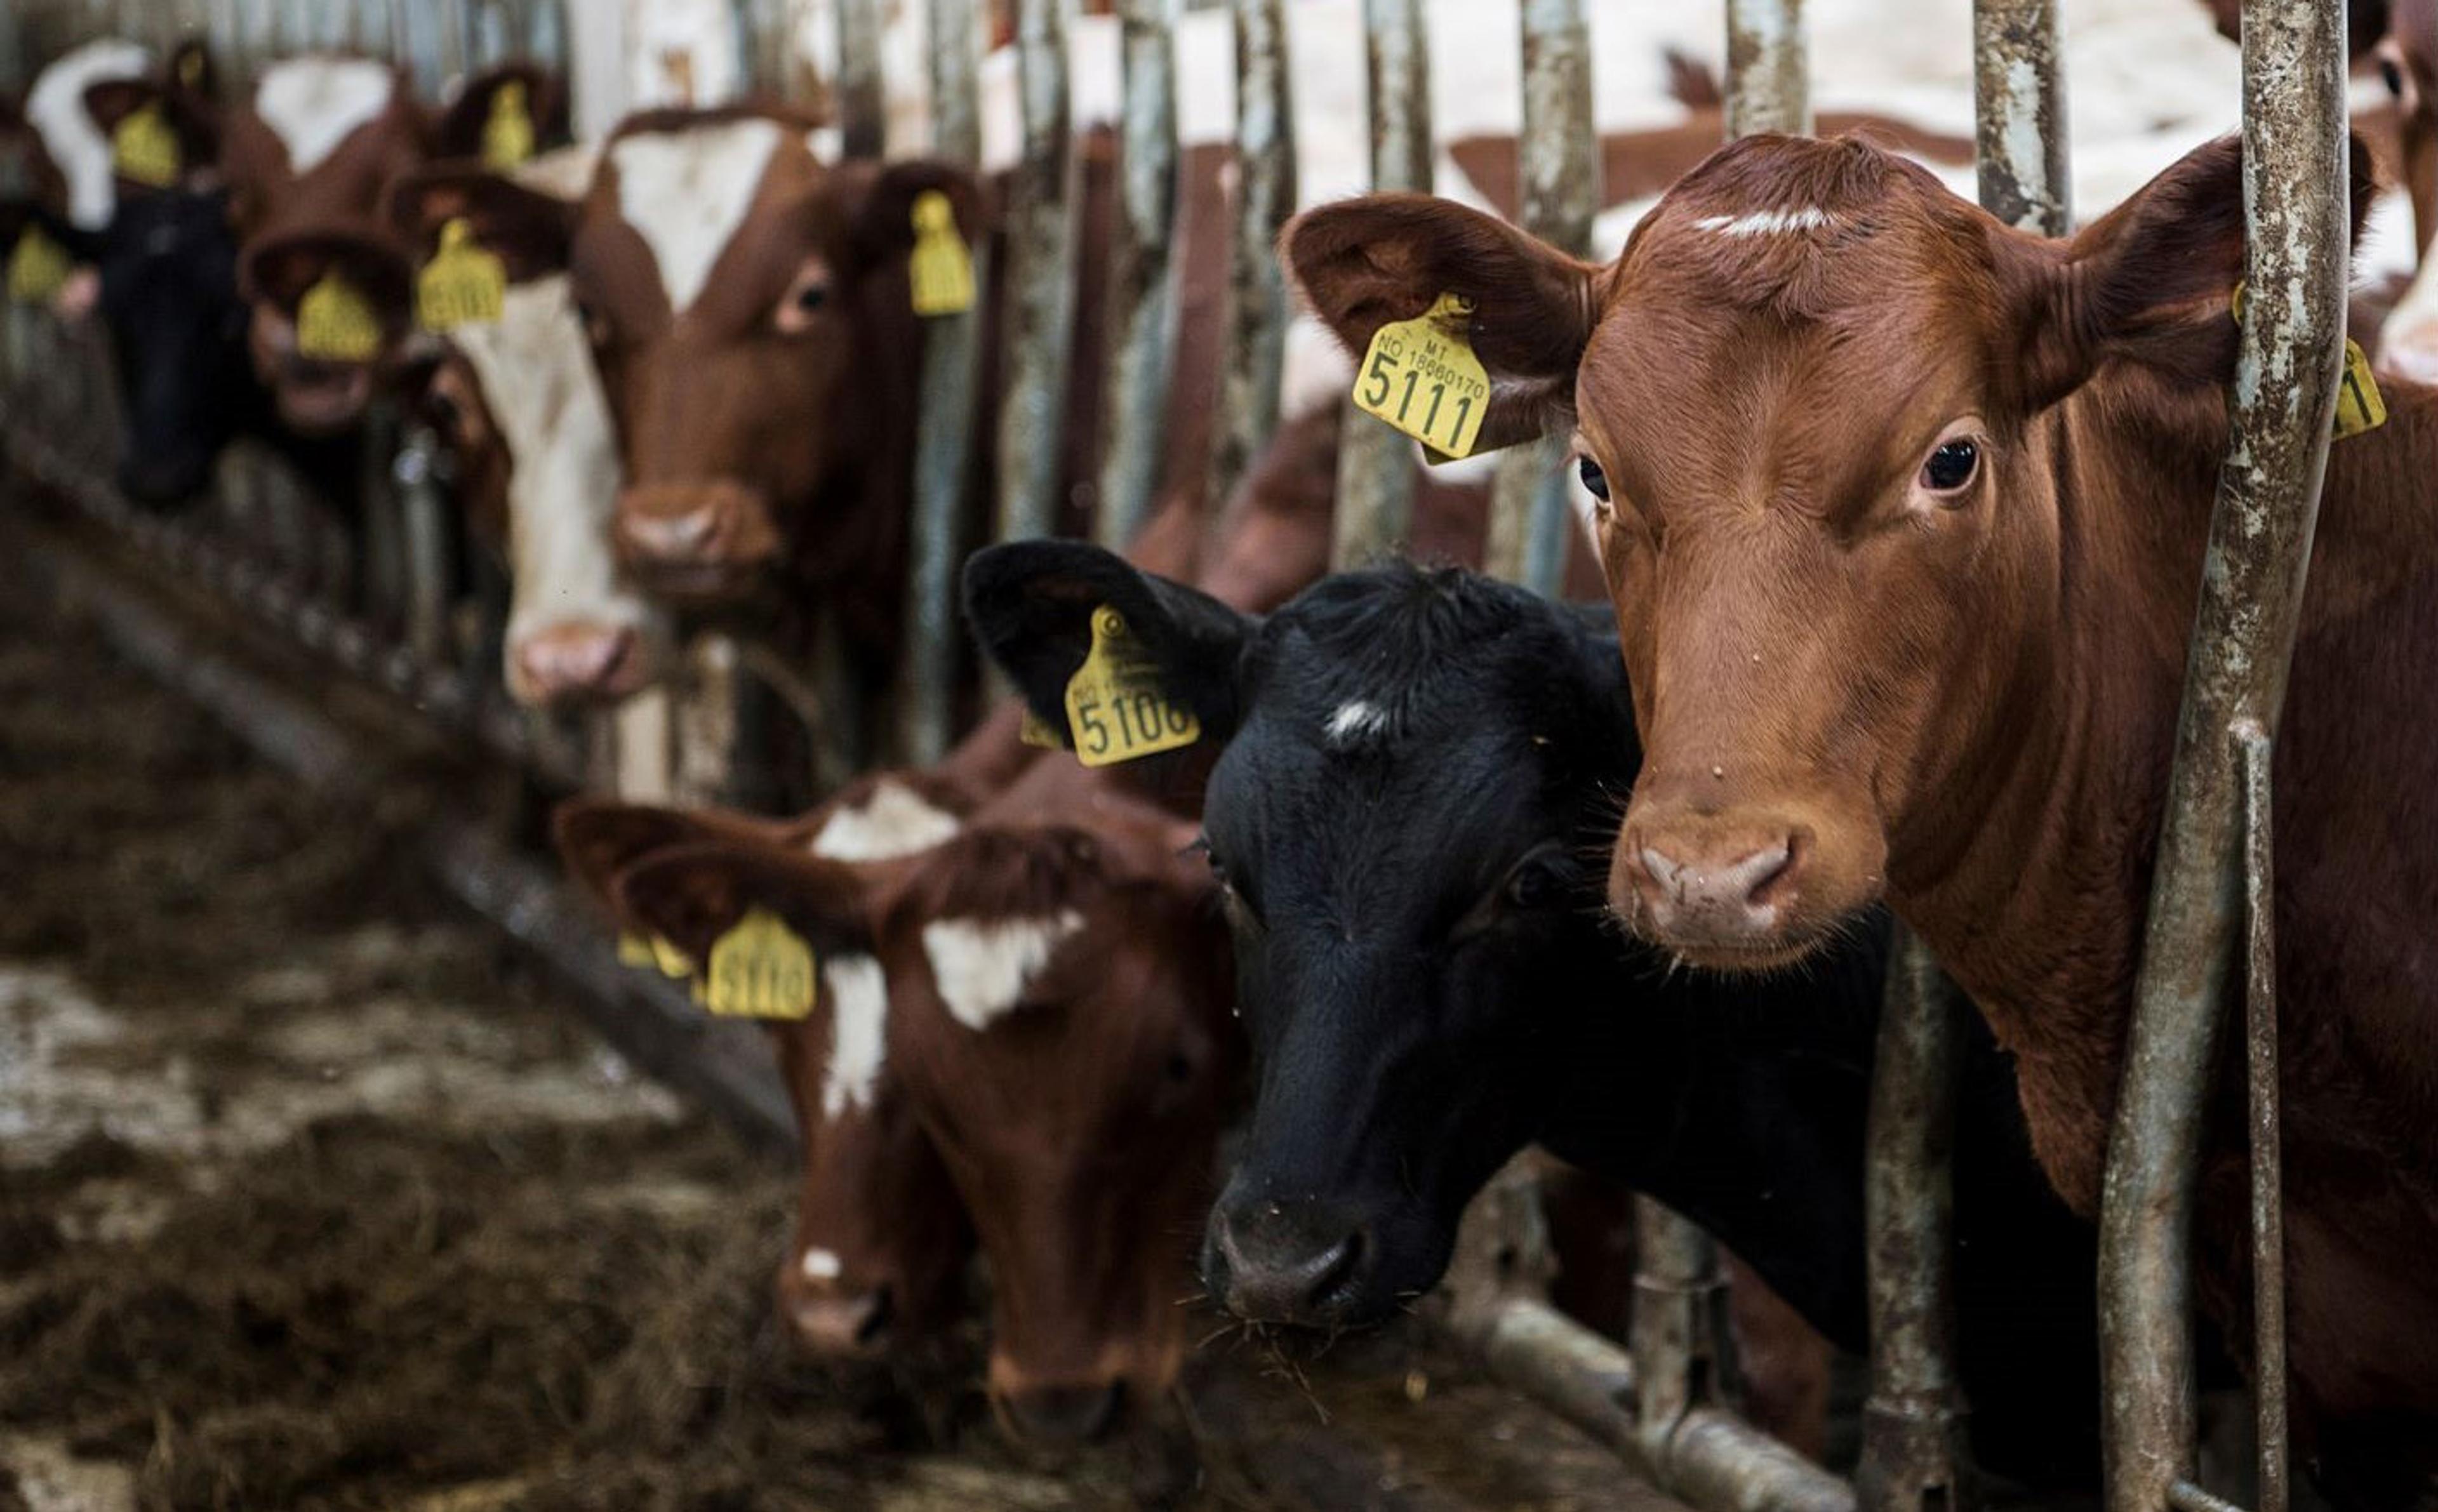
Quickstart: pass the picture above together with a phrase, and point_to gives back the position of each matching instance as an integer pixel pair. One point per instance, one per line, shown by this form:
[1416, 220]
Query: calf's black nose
[1274, 1262]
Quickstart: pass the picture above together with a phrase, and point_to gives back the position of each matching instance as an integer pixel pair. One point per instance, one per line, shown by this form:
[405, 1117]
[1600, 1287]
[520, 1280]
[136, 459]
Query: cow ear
[881, 204]
[192, 71]
[690, 895]
[598, 838]
[2151, 284]
[504, 114]
[190, 116]
[1363, 263]
[528, 231]
[1031, 605]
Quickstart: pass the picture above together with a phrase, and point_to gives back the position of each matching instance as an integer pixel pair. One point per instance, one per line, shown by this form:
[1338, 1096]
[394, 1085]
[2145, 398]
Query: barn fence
[390, 616]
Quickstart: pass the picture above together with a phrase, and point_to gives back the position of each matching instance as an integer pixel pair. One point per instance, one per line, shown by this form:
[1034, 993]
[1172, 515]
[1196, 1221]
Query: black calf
[168, 293]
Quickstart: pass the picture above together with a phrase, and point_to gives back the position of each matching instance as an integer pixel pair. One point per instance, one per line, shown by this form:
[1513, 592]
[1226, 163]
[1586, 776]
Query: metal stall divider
[856, 93]
[1265, 198]
[1041, 278]
[1142, 277]
[2213, 876]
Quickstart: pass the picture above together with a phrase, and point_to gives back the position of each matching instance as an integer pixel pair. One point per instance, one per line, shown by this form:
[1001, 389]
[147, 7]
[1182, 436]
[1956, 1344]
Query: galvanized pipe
[1375, 464]
[1041, 283]
[1769, 69]
[1684, 1356]
[1559, 148]
[2295, 150]
[2019, 115]
[862, 116]
[944, 430]
[1142, 278]
[2268, 1159]
[427, 519]
[1257, 301]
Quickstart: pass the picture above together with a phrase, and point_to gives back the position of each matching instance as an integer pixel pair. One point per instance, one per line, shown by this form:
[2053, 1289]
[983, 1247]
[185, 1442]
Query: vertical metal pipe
[1041, 283]
[2268, 1159]
[546, 35]
[1375, 464]
[944, 444]
[1530, 512]
[1142, 287]
[1769, 69]
[2295, 151]
[1257, 301]
[1915, 1456]
[1684, 1358]
[425, 517]
[861, 114]
[2019, 115]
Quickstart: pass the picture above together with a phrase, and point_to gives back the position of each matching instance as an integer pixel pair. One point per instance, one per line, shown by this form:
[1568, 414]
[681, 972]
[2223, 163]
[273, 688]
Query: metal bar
[1041, 282]
[1769, 69]
[2295, 150]
[1257, 300]
[2019, 115]
[1684, 1357]
[1558, 158]
[1143, 279]
[1915, 1452]
[943, 431]
[2268, 1160]
[862, 116]
[425, 522]
[1375, 464]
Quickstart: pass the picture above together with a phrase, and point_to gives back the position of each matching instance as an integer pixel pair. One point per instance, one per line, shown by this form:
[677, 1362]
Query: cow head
[880, 1245]
[1812, 394]
[750, 311]
[530, 452]
[1420, 773]
[2407, 60]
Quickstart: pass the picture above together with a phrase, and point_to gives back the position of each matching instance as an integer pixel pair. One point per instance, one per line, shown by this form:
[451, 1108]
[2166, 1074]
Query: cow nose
[568, 662]
[842, 1327]
[1713, 889]
[669, 537]
[1286, 1263]
[1060, 1416]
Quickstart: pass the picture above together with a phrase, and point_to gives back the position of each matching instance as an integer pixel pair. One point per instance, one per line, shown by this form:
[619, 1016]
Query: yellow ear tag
[508, 135]
[942, 269]
[144, 150]
[336, 323]
[1422, 378]
[760, 969]
[462, 285]
[1035, 730]
[634, 950]
[1114, 704]
[673, 964]
[37, 268]
[2359, 405]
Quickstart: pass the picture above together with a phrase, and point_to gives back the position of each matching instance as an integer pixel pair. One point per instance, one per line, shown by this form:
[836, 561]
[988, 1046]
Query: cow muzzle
[695, 541]
[833, 1316]
[1740, 888]
[1059, 1417]
[578, 663]
[1302, 1263]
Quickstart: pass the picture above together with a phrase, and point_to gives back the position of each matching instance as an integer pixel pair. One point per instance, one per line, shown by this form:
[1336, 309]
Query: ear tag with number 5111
[1115, 708]
[759, 968]
[1422, 378]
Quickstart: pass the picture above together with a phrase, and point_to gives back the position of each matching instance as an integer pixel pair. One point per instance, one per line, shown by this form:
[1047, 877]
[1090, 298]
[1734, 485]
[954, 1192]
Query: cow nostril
[671, 536]
[877, 1319]
[1333, 1271]
[1660, 870]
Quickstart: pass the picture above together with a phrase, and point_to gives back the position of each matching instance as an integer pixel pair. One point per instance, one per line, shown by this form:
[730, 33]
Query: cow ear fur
[599, 838]
[881, 213]
[527, 230]
[690, 895]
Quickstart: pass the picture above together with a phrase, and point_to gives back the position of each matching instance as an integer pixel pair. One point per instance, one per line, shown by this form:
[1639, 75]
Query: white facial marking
[859, 1033]
[893, 821]
[686, 193]
[822, 1265]
[55, 108]
[1356, 721]
[983, 969]
[314, 104]
[1766, 222]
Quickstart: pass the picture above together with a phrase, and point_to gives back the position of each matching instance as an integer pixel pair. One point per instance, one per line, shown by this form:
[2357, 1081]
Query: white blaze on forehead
[1767, 222]
[982, 967]
[859, 1033]
[55, 108]
[893, 821]
[313, 105]
[823, 1265]
[686, 193]
[1355, 721]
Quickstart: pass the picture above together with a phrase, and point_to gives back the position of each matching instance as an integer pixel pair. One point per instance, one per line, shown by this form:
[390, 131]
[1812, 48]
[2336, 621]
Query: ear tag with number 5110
[1115, 707]
[1422, 378]
[760, 969]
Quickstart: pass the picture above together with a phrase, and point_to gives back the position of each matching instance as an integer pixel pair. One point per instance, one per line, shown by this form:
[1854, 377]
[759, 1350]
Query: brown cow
[1906, 518]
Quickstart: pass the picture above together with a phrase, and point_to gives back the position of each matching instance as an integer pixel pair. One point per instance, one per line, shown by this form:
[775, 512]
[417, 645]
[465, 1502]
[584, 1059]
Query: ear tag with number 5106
[1115, 708]
[1422, 378]
[759, 968]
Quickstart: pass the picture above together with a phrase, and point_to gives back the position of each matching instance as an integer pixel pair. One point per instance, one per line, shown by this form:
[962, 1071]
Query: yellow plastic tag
[144, 150]
[336, 323]
[942, 269]
[673, 962]
[634, 950]
[462, 285]
[37, 268]
[1114, 703]
[508, 135]
[1035, 730]
[760, 969]
[1422, 378]
[2359, 405]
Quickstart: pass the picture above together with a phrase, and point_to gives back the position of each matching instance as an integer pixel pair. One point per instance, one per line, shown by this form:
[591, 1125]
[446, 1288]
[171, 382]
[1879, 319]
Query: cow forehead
[314, 104]
[982, 966]
[687, 192]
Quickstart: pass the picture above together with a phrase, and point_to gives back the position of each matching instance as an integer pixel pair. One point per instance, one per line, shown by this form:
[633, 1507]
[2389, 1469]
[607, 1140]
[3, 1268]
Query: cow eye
[1535, 884]
[2393, 75]
[807, 292]
[1952, 465]
[1593, 479]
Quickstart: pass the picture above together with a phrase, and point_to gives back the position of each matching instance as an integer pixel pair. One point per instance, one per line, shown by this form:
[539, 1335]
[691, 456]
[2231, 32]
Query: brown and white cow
[1904, 527]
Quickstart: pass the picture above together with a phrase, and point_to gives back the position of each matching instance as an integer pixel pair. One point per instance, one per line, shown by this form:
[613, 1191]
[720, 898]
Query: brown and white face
[1805, 395]
[748, 308]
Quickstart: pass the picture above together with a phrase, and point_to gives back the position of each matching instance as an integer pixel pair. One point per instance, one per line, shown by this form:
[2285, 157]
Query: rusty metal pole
[862, 114]
[1041, 283]
[2295, 150]
[1684, 1357]
[1265, 198]
[1375, 464]
[2019, 115]
[1769, 69]
[944, 444]
[1531, 519]
[1142, 277]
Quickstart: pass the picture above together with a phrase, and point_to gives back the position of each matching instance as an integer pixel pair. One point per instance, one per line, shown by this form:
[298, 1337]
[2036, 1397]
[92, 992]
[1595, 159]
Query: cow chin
[1743, 889]
[323, 399]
